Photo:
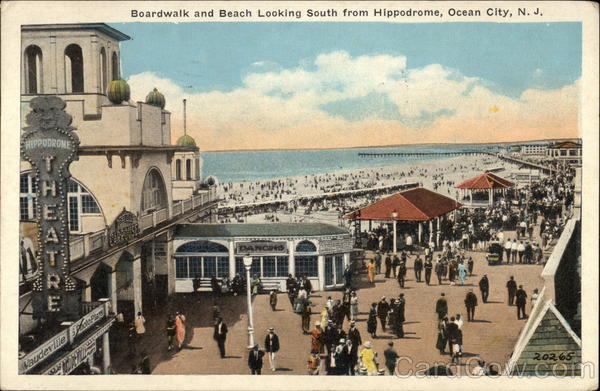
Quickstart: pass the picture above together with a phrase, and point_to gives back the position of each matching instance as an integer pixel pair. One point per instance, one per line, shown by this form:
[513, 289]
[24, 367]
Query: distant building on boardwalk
[534, 149]
[567, 152]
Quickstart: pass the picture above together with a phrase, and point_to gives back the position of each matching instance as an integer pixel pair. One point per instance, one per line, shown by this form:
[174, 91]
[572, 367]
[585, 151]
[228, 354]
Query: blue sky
[272, 85]
[209, 56]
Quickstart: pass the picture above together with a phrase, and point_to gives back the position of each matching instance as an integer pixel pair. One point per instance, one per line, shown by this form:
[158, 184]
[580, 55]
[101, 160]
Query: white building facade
[121, 199]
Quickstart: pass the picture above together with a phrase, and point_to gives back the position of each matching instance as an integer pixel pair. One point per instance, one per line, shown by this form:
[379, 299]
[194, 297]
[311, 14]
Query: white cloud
[284, 107]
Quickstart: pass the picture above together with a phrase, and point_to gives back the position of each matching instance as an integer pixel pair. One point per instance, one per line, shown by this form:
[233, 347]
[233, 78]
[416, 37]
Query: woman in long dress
[442, 338]
[462, 274]
[180, 329]
[324, 317]
[371, 271]
[367, 359]
[353, 306]
[372, 321]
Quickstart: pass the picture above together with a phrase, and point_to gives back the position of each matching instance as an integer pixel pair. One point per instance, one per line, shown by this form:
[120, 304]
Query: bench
[267, 286]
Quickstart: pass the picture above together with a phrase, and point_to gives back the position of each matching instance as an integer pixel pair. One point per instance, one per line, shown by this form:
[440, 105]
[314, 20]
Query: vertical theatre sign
[49, 145]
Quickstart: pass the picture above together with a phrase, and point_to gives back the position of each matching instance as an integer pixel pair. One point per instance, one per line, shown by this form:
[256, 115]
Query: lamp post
[248, 265]
[394, 216]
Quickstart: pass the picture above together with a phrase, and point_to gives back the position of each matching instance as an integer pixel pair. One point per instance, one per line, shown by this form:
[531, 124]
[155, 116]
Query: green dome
[155, 98]
[186, 141]
[118, 91]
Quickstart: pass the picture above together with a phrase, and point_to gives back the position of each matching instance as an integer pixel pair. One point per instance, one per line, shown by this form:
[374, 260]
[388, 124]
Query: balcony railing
[82, 245]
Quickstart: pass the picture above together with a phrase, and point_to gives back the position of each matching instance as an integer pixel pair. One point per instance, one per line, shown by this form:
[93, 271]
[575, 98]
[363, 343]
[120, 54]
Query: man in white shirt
[514, 249]
[521, 251]
[508, 249]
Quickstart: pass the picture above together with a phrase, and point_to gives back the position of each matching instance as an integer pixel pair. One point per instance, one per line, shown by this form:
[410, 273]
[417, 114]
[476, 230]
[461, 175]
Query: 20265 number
[564, 356]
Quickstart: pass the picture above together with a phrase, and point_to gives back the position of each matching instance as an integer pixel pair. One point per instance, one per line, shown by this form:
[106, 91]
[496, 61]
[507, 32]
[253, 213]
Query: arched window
[197, 169]
[188, 169]
[115, 66]
[74, 68]
[33, 71]
[154, 195]
[103, 71]
[202, 246]
[306, 247]
[80, 201]
[211, 260]
[178, 169]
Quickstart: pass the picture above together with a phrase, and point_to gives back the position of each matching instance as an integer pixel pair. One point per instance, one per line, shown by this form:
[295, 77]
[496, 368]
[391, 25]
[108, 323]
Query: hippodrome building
[142, 224]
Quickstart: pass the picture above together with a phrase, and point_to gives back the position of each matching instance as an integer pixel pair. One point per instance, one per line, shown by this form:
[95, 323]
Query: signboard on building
[49, 144]
[67, 363]
[61, 339]
[123, 229]
[261, 247]
[335, 246]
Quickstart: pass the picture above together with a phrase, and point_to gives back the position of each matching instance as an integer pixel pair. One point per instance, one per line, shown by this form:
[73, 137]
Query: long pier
[396, 154]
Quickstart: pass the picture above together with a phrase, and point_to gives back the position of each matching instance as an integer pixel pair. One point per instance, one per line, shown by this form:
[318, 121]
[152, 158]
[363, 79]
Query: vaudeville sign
[49, 144]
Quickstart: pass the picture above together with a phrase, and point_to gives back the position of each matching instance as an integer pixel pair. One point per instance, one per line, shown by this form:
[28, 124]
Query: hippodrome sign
[50, 145]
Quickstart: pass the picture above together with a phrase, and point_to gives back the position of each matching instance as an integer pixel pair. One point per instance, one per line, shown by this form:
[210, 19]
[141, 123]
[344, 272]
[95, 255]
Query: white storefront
[320, 252]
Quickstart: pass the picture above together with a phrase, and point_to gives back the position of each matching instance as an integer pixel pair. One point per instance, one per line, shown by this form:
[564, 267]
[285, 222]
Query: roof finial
[184, 118]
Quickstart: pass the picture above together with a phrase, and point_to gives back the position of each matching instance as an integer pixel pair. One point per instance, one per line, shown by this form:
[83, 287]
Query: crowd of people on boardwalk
[536, 210]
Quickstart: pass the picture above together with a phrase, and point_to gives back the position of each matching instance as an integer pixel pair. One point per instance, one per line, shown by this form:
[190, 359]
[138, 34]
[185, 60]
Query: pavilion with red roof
[417, 205]
[488, 184]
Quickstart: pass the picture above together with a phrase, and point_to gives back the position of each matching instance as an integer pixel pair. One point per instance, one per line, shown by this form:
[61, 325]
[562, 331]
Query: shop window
[195, 265]
[307, 266]
[263, 266]
[269, 267]
[282, 266]
[181, 267]
[209, 267]
[74, 68]
[222, 267]
[33, 71]
[339, 269]
[329, 277]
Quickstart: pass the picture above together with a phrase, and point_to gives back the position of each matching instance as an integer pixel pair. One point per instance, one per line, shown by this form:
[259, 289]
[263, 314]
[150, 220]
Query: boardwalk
[492, 336]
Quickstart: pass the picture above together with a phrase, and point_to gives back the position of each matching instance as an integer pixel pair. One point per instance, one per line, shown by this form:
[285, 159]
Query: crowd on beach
[303, 196]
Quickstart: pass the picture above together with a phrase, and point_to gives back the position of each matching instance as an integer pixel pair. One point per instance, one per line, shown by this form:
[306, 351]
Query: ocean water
[257, 165]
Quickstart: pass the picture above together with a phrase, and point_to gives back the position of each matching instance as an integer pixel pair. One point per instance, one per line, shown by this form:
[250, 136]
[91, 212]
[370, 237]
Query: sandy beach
[437, 175]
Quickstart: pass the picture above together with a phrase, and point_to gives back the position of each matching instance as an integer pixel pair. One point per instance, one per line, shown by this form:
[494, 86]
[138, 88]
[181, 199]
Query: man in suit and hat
[272, 346]
[511, 286]
[484, 287]
[521, 301]
[220, 335]
[255, 360]
[383, 307]
[441, 306]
